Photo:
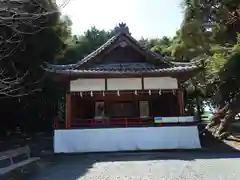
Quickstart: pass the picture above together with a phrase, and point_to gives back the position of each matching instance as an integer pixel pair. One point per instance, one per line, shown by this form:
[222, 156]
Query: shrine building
[124, 97]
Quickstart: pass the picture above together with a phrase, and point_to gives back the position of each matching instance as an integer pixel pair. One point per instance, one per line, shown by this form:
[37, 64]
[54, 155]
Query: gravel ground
[143, 166]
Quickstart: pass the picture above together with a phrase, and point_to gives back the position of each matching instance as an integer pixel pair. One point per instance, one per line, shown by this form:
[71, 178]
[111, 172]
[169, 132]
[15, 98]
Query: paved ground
[143, 166]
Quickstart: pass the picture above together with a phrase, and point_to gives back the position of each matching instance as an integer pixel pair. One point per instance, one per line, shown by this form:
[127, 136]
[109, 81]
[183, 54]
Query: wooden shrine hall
[124, 97]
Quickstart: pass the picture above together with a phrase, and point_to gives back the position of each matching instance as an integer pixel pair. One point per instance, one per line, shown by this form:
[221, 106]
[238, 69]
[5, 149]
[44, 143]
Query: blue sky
[145, 18]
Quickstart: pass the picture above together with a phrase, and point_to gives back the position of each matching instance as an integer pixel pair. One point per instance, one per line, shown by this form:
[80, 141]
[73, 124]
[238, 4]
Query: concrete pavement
[143, 166]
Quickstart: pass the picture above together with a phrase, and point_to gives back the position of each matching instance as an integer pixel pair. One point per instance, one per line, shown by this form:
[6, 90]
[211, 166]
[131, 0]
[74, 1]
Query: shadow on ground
[41, 144]
[62, 168]
[209, 142]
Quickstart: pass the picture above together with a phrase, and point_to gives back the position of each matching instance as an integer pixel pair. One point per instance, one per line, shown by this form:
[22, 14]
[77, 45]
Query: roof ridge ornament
[122, 28]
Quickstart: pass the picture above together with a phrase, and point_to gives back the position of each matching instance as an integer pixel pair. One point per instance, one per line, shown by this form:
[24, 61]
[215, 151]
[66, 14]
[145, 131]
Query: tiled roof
[117, 67]
[77, 68]
[125, 70]
[112, 40]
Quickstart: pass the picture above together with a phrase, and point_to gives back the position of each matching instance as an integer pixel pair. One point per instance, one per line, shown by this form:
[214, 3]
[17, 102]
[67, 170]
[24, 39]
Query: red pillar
[180, 101]
[68, 110]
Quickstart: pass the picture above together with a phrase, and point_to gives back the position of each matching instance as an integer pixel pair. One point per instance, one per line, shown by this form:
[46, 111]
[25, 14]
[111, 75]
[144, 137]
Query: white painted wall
[87, 85]
[181, 119]
[125, 139]
[160, 83]
[186, 119]
[170, 119]
[124, 84]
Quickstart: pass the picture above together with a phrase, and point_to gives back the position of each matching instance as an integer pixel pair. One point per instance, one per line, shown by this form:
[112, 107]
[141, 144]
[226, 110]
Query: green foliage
[227, 87]
[80, 46]
[236, 47]
[211, 28]
[215, 64]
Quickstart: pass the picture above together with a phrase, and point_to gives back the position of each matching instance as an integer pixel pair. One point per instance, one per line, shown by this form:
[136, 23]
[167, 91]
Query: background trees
[211, 28]
[32, 33]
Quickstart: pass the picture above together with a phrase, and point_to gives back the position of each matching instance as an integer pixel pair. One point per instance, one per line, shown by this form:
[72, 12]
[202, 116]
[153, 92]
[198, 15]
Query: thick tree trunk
[218, 115]
[221, 121]
[223, 129]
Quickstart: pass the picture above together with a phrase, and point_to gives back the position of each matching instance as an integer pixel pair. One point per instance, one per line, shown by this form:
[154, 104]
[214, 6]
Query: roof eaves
[118, 71]
[55, 66]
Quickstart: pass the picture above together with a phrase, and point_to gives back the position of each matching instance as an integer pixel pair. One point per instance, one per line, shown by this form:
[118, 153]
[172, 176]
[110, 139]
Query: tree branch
[18, 20]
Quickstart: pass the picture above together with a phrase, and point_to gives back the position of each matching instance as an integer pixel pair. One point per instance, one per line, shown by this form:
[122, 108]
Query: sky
[145, 18]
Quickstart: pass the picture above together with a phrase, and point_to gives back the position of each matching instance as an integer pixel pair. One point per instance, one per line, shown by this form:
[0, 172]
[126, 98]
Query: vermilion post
[68, 110]
[180, 101]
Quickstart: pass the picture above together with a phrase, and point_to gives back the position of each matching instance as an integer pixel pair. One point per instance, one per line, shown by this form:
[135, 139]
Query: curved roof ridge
[85, 59]
[97, 51]
[156, 55]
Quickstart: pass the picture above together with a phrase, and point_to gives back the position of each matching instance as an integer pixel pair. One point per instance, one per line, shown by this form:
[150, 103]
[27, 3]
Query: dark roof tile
[117, 70]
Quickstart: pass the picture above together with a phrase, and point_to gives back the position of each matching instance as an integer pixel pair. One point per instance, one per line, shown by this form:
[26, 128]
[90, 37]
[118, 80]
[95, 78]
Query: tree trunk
[221, 121]
[225, 124]
[218, 115]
